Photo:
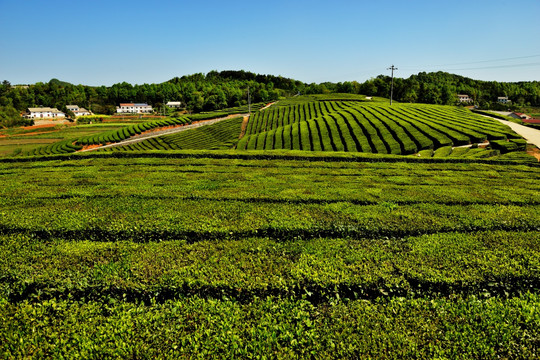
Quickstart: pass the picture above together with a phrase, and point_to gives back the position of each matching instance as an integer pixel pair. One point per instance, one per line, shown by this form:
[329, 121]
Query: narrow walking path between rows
[244, 126]
[157, 133]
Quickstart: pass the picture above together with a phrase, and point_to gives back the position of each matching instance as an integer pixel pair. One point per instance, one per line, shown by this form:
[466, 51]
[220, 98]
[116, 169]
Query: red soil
[38, 126]
[534, 151]
[86, 147]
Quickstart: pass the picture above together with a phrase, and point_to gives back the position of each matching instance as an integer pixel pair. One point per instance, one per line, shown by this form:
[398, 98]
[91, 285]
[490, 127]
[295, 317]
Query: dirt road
[531, 135]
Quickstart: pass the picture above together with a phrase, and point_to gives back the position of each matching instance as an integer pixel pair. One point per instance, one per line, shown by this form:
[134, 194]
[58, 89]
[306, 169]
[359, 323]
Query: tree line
[218, 90]
[199, 92]
[441, 88]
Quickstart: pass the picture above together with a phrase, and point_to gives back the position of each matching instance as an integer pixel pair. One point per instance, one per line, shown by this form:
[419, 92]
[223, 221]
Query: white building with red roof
[521, 116]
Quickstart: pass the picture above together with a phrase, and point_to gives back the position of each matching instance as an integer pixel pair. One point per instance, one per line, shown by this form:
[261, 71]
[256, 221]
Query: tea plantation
[330, 124]
[324, 227]
[254, 254]
[365, 127]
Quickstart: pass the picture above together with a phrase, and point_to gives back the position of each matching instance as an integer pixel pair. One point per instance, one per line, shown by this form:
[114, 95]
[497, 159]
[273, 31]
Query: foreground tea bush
[230, 255]
[458, 328]
[486, 264]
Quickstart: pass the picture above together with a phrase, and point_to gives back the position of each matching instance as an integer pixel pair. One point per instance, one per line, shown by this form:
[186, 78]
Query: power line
[441, 68]
[476, 62]
[499, 66]
[493, 60]
[479, 62]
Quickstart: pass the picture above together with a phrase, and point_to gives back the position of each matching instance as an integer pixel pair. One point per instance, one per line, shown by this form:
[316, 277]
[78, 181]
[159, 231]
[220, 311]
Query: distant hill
[218, 90]
[442, 88]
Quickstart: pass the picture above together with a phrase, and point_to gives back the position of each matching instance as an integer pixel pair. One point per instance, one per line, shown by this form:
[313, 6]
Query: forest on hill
[442, 88]
[218, 90]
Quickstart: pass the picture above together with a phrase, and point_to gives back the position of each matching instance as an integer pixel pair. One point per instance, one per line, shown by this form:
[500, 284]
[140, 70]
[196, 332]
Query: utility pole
[392, 86]
[163, 107]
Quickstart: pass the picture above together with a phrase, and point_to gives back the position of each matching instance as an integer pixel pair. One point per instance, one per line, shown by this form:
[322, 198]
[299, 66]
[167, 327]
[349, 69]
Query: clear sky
[98, 42]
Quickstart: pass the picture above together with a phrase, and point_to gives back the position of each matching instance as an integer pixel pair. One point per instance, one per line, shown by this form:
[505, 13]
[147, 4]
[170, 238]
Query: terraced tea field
[372, 128]
[317, 124]
[239, 254]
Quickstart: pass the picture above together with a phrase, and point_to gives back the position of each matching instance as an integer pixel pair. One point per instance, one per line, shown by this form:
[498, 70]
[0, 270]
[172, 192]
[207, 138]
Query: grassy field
[200, 254]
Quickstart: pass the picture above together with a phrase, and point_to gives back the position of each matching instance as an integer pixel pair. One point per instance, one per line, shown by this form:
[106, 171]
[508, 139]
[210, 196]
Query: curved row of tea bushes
[126, 132]
[277, 116]
[221, 135]
[61, 147]
[353, 127]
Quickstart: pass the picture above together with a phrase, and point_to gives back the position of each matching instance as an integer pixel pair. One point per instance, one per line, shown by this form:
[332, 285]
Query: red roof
[531, 121]
[127, 104]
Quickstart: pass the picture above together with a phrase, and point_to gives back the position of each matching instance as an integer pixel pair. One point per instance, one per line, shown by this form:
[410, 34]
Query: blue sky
[105, 42]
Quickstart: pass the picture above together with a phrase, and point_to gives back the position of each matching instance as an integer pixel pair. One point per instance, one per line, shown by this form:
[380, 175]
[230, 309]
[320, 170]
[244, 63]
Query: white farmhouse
[44, 113]
[134, 108]
[174, 104]
[503, 100]
[464, 98]
[75, 109]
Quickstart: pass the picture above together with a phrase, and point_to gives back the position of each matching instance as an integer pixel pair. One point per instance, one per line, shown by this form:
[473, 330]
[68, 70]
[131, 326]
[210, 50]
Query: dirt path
[244, 127]
[268, 105]
[167, 131]
[484, 144]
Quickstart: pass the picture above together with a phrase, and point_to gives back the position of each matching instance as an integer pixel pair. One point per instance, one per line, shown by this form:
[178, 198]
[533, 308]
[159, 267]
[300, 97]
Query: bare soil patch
[90, 147]
[39, 126]
[244, 127]
[534, 151]
[267, 105]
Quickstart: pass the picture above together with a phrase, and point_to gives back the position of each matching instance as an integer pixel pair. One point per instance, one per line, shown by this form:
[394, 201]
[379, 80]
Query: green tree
[10, 117]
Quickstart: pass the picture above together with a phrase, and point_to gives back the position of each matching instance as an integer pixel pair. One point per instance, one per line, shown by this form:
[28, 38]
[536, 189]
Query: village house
[44, 113]
[464, 98]
[174, 104]
[134, 108]
[503, 100]
[77, 111]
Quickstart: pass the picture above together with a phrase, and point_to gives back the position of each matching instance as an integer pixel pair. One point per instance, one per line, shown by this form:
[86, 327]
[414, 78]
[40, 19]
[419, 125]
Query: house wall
[46, 115]
[134, 109]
